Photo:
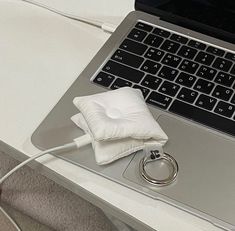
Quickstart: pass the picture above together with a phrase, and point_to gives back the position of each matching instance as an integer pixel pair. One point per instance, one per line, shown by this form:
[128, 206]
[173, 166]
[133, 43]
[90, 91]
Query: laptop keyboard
[177, 74]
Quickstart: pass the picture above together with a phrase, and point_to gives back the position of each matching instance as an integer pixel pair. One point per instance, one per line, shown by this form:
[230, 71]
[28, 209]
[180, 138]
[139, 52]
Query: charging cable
[78, 142]
[107, 27]
[10, 219]
[51, 150]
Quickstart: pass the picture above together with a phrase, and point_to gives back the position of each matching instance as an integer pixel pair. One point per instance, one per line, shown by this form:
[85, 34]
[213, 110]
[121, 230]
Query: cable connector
[82, 140]
[108, 27]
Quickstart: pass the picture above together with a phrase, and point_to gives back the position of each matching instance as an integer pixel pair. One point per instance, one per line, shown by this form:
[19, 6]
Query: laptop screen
[213, 17]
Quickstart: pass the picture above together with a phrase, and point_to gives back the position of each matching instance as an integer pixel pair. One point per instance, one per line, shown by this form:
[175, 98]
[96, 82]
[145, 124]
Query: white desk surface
[41, 54]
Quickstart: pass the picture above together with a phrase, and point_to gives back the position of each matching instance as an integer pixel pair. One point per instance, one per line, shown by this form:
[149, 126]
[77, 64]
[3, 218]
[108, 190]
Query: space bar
[204, 117]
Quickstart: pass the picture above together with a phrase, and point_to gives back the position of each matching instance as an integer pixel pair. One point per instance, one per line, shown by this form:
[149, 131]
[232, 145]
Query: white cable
[78, 142]
[10, 219]
[59, 148]
[107, 27]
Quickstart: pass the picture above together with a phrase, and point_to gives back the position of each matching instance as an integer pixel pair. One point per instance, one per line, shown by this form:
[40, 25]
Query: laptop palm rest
[205, 185]
[206, 172]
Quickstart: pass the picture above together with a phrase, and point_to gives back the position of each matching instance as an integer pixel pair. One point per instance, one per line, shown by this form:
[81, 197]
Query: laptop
[181, 55]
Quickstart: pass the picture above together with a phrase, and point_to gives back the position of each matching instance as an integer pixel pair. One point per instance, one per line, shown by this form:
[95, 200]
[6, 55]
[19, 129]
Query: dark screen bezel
[185, 22]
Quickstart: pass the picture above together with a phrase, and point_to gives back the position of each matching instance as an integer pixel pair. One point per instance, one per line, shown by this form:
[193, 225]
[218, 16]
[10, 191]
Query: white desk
[41, 54]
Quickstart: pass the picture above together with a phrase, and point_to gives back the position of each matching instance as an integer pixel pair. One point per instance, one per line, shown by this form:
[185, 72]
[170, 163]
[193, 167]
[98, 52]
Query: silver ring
[156, 156]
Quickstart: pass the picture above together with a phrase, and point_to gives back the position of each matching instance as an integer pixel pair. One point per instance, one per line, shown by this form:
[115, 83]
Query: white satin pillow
[119, 123]
[111, 150]
[119, 114]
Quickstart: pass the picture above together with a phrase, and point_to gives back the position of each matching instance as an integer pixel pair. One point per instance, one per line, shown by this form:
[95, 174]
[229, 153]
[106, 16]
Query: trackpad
[206, 170]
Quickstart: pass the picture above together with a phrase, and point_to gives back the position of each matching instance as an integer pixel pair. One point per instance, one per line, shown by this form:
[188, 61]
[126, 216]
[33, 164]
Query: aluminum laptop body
[202, 144]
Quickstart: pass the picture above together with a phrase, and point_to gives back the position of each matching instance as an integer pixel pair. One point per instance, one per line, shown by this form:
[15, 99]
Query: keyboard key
[153, 40]
[171, 60]
[225, 109]
[206, 102]
[151, 81]
[197, 45]
[204, 58]
[185, 79]
[159, 100]
[144, 90]
[168, 73]
[127, 58]
[150, 67]
[222, 93]
[143, 26]
[179, 38]
[233, 99]
[124, 72]
[222, 64]
[187, 95]
[189, 66]
[104, 79]
[169, 88]
[133, 47]
[118, 83]
[202, 116]
[230, 56]
[206, 72]
[215, 51]
[204, 86]
[233, 70]
[187, 52]
[225, 79]
[161, 32]
[137, 35]
[170, 46]
[154, 54]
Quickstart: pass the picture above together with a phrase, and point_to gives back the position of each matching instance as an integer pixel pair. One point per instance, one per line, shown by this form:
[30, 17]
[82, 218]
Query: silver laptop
[181, 55]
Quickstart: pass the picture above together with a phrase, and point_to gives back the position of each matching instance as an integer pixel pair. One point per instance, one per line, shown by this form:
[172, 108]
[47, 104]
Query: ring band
[156, 156]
